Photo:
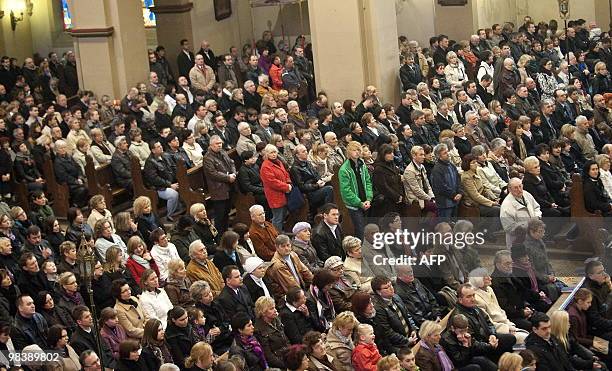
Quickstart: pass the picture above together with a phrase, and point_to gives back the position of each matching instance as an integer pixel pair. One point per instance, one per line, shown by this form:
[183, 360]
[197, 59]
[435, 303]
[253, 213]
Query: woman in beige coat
[129, 310]
[339, 341]
[474, 192]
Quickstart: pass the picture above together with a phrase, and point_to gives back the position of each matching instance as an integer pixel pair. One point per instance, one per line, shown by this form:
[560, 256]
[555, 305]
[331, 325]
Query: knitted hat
[253, 263]
[300, 226]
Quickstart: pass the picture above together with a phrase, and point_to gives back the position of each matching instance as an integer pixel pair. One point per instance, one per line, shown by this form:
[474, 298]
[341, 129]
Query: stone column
[173, 18]
[355, 45]
[110, 45]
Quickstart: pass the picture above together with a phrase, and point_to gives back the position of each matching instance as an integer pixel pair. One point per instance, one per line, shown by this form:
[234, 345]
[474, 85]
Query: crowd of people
[498, 123]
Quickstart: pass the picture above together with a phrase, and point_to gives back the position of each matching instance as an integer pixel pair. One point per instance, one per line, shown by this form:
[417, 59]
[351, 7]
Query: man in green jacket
[355, 187]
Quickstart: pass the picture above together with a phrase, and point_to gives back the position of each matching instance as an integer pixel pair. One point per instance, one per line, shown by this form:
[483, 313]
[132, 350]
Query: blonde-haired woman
[177, 285]
[276, 184]
[270, 332]
[339, 343]
[318, 156]
[580, 357]
[510, 362]
[200, 357]
[354, 265]
[521, 66]
[145, 218]
[70, 297]
[454, 70]
[601, 82]
[603, 161]
[431, 355]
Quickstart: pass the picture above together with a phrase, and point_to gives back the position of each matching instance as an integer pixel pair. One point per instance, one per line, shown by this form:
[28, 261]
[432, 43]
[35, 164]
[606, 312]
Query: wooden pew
[100, 181]
[565, 299]
[345, 219]
[242, 203]
[300, 215]
[20, 190]
[587, 222]
[468, 211]
[59, 192]
[139, 187]
[192, 187]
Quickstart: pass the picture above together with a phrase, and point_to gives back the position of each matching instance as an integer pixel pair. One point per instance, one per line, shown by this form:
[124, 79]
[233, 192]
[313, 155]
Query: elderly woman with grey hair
[467, 253]
[67, 171]
[486, 300]
[497, 159]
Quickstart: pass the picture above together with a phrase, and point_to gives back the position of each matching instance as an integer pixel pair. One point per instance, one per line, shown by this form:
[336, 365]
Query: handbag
[295, 199]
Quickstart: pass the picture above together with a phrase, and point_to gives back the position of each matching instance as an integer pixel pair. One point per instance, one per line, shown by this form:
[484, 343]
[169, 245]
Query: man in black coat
[445, 183]
[185, 59]
[404, 109]
[410, 73]
[234, 297]
[395, 328]
[28, 327]
[304, 175]
[550, 353]
[38, 246]
[249, 180]
[294, 315]
[327, 235]
[121, 164]
[251, 98]
[32, 280]
[158, 175]
[480, 326]
[182, 108]
[67, 171]
[417, 298]
[598, 281]
[463, 349]
[83, 338]
[510, 293]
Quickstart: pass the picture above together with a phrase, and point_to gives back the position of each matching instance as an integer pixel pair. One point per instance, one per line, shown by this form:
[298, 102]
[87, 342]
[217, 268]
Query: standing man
[220, 173]
[185, 59]
[446, 183]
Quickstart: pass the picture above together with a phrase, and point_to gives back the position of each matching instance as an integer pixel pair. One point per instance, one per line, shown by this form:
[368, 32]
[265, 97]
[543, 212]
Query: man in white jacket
[517, 209]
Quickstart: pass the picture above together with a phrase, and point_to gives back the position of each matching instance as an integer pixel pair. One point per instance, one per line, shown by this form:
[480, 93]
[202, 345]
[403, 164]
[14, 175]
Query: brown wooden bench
[192, 187]
[20, 190]
[100, 181]
[468, 211]
[139, 187]
[60, 193]
[300, 215]
[345, 220]
[587, 222]
[242, 203]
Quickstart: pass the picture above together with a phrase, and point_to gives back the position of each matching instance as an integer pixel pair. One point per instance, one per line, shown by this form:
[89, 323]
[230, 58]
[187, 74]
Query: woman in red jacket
[276, 73]
[276, 183]
[139, 258]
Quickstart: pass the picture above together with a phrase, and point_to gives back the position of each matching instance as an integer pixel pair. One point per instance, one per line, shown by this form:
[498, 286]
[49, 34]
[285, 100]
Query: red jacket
[365, 357]
[136, 269]
[276, 73]
[276, 182]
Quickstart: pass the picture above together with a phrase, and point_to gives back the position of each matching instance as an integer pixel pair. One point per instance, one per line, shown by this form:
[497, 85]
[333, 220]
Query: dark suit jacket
[231, 304]
[185, 64]
[296, 324]
[326, 243]
[254, 289]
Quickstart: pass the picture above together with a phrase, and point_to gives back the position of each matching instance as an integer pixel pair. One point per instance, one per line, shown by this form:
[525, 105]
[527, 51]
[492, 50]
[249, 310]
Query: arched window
[147, 15]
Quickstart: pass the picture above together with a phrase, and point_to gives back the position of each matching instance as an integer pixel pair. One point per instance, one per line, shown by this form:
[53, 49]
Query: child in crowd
[407, 360]
[365, 355]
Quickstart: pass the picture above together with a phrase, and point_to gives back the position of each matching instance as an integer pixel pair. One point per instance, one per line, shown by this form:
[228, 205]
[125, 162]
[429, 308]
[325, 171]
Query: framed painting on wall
[223, 9]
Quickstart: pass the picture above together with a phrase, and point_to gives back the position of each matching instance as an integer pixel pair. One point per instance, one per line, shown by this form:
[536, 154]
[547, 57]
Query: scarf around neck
[142, 261]
[445, 361]
[250, 343]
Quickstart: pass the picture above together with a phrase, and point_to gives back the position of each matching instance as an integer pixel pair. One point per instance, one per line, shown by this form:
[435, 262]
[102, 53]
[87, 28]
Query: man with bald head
[517, 209]
[209, 57]
[600, 111]
[507, 79]
[336, 155]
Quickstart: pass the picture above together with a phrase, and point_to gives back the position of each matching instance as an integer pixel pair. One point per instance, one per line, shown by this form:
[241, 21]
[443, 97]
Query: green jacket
[348, 185]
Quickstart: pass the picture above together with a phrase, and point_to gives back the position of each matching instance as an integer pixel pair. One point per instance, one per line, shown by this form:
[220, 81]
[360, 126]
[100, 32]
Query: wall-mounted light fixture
[18, 7]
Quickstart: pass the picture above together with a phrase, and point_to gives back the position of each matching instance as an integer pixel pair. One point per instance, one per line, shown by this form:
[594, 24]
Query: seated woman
[40, 210]
[318, 300]
[487, 301]
[554, 179]
[344, 285]
[355, 266]
[139, 258]
[255, 270]
[603, 161]
[53, 314]
[162, 252]
[105, 238]
[246, 344]
[204, 228]
[155, 302]
[302, 246]
[201, 357]
[475, 192]
[580, 357]
[217, 322]
[125, 226]
[26, 170]
[269, 329]
[179, 336]
[226, 252]
[317, 355]
[155, 350]
[69, 296]
[97, 205]
[535, 185]
[146, 220]
[595, 195]
[465, 351]
[182, 236]
[129, 310]
[431, 355]
[177, 285]
[53, 233]
[111, 331]
[486, 170]
[9, 230]
[339, 342]
[245, 247]
[101, 149]
[524, 272]
[77, 225]
[536, 248]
